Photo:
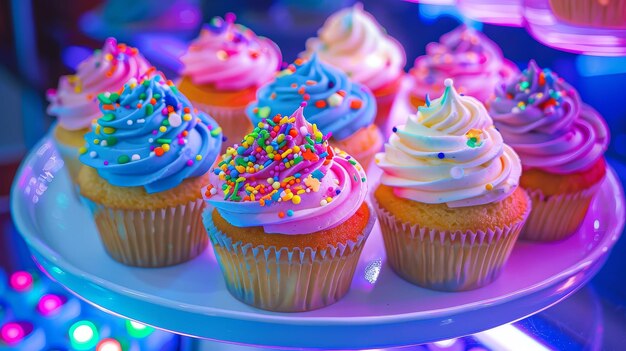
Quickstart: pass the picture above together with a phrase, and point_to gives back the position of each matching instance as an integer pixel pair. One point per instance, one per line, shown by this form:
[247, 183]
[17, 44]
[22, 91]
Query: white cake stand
[381, 310]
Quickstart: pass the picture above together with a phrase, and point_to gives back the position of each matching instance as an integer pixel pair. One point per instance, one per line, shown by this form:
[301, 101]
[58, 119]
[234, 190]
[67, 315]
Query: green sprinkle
[123, 159]
[149, 109]
[108, 130]
[174, 89]
[146, 82]
[156, 96]
[164, 141]
[264, 111]
[363, 179]
[111, 141]
[524, 85]
[297, 160]
[352, 162]
[142, 96]
[165, 122]
[103, 99]
[108, 117]
[215, 132]
[114, 97]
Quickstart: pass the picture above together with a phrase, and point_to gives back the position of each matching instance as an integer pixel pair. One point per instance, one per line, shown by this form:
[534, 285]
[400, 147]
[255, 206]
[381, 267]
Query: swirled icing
[230, 56]
[149, 135]
[542, 117]
[285, 178]
[336, 105]
[474, 62]
[353, 41]
[74, 102]
[449, 152]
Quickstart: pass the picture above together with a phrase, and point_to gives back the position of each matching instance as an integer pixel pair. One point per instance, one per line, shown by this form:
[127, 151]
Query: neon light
[109, 345]
[83, 335]
[21, 281]
[138, 330]
[508, 337]
[49, 304]
[12, 333]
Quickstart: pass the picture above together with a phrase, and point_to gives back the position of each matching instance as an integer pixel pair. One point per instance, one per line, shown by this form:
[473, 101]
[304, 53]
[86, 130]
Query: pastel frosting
[230, 56]
[335, 104]
[149, 135]
[74, 102]
[474, 62]
[543, 118]
[286, 178]
[353, 41]
[449, 152]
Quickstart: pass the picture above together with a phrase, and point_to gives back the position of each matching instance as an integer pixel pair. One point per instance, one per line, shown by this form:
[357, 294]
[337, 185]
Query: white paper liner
[556, 217]
[283, 279]
[446, 261]
[151, 238]
[233, 120]
[69, 154]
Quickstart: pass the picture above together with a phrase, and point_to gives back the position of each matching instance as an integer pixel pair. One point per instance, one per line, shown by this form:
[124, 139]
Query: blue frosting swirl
[336, 104]
[150, 136]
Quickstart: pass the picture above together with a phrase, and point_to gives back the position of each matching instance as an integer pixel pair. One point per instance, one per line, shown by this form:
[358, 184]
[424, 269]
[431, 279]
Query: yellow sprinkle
[166, 147]
[276, 185]
[198, 157]
[489, 186]
[82, 150]
[280, 138]
[162, 129]
[241, 169]
[240, 179]
[296, 199]
[252, 197]
[96, 141]
[186, 117]
[269, 149]
[108, 130]
[329, 199]
[286, 153]
[97, 131]
[288, 196]
[296, 149]
[301, 191]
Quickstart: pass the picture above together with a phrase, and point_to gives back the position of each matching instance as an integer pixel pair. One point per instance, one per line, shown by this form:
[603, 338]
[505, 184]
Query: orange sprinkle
[342, 93]
[170, 109]
[356, 104]
[185, 133]
[293, 133]
[108, 107]
[294, 85]
[298, 61]
[306, 97]
[310, 82]
[186, 109]
[281, 214]
[153, 101]
[320, 103]
[277, 157]
[301, 91]
[159, 151]
[139, 105]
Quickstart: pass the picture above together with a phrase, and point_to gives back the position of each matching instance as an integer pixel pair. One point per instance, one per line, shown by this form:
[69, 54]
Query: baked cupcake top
[74, 103]
[286, 178]
[542, 117]
[353, 41]
[449, 152]
[149, 135]
[335, 104]
[230, 56]
[467, 55]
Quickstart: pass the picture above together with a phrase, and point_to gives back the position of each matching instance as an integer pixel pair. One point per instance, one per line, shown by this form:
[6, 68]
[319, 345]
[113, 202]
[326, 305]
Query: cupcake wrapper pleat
[556, 217]
[151, 238]
[233, 120]
[283, 279]
[443, 260]
[611, 14]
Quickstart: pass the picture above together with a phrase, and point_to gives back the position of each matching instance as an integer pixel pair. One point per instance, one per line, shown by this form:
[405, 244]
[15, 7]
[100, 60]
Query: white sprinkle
[135, 157]
[104, 143]
[213, 191]
[151, 153]
[151, 140]
[335, 100]
[175, 120]
[303, 130]
[132, 81]
[457, 172]
[141, 120]
[107, 94]
[448, 82]
[516, 110]
[129, 122]
[323, 203]
[93, 154]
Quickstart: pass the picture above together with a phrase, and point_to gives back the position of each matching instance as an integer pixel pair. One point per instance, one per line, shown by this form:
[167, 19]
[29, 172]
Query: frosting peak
[449, 152]
[74, 102]
[542, 117]
[230, 56]
[468, 56]
[353, 41]
[149, 135]
[285, 177]
[337, 105]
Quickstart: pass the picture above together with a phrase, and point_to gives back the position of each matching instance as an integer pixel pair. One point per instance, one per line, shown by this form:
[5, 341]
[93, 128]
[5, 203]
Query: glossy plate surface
[380, 310]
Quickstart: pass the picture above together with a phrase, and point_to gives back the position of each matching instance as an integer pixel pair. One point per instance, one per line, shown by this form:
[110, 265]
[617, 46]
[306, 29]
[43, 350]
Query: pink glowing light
[49, 304]
[12, 333]
[21, 281]
[109, 345]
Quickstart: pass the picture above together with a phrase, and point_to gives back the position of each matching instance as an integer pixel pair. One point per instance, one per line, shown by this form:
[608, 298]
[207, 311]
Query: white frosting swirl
[450, 152]
[354, 42]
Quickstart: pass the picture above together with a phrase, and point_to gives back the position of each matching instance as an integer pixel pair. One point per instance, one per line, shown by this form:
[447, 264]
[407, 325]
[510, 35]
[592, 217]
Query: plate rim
[24, 228]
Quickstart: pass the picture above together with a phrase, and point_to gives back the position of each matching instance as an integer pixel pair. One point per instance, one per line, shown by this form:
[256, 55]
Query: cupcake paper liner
[607, 14]
[69, 154]
[283, 279]
[233, 120]
[556, 217]
[446, 261]
[151, 238]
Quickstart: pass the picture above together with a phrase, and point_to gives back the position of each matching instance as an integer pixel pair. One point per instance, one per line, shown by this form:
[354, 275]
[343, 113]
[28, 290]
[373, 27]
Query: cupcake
[145, 162]
[353, 41]
[593, 13]
[474, 62]
[561, 142]
[336, 105]
[290, 219]
[448, 202]
[223, 69]
[74, 103]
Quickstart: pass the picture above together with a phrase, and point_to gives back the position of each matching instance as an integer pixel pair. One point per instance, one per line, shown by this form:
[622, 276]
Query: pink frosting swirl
[75, 102]
[320, 188]
[231, 56]
[542, 117]
[473, 60]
